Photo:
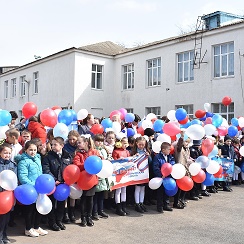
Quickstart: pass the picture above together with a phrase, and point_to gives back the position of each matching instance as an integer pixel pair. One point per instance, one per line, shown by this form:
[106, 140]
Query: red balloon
[114, 113]
[49, 117]
[87, 181]
[226, 101]
[29, 109]
[71, 174]
[184, 121]
[7, 201]
[200, 177]
[171, 128]
[219, 173]
[56, 107]
[172, 149]
[97, 129]
[140, 130]
[185, 183]
[200, 113]
[207, 146]
[166, 169]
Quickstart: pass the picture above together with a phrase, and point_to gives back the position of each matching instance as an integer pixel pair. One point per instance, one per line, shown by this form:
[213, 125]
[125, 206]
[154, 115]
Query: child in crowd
[50, 137]
[120, 152]
[236, 145]
[140, 147]
[131, 142]
[5, 164]
[85, 148]
[87, 123]
[25, 136]
[54, 164]
[29, 168]
[103, 184]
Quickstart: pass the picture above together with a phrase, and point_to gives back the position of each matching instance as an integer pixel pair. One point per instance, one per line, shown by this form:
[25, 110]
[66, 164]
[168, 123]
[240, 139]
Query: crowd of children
[31, 151]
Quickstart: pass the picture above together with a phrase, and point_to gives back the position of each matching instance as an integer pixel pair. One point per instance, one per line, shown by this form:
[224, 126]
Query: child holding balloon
[5, 164]
[29, 168]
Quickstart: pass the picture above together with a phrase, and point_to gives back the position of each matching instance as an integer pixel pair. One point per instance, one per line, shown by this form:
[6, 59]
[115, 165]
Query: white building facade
[156, 77]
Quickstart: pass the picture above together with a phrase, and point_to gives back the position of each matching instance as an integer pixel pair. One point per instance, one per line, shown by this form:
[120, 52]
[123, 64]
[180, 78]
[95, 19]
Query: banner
[228, 169]
[129, 171]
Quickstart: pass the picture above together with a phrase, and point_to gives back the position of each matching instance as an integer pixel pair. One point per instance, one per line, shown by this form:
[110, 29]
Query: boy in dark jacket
[54, 164]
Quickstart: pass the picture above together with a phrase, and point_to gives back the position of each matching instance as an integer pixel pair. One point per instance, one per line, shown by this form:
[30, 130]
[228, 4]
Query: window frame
[228, 115]
[13, 90]
[154, 110]
[129, 74]
[151, 70]
[5, 90]
[22, 86]
[189, 109]
[94, 73]
[35, 82]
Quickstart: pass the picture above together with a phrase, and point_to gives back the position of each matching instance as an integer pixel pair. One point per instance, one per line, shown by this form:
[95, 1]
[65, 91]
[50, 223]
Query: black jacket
[53, 165]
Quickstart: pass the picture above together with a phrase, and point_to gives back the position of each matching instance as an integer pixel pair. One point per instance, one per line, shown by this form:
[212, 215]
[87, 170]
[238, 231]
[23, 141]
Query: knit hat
[149, 132]
[227, 137]
[197, 142]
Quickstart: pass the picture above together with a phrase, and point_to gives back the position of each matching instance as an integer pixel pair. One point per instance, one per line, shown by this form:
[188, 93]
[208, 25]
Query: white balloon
[207, 106]
[82, 114]
[213, 167]
[155, 183]
[116, 126]
[171, 115]
[75, 191]
[43, 204]
[194, 168]
[241, 151]
[151, 116]
[146, 124]
[178, 171]
[61, 129]
[225, 123]
[107, 169]
[209, 129]
[156, 146]
[120, 135]
[241, 122]
[3, 129]
[195, 132]
[8, 180]
[164, 138]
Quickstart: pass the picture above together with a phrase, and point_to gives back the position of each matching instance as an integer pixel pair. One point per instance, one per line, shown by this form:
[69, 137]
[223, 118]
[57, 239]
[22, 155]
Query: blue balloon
[234, 121]
[107, 123]
[62, 192]
[169, 183]
[232, 131]
[93, 165]
[171, 193]
[203, 118]
[196, 122]
[26, 123]
[65, 117]
[74, 115]
[214, 152]
[130, 132]
[5, 117]
[26, 194]
[129, 117]
[139, 124]
[208, 114]
[180, 114]
[217, 120]
[209, 181]
[44, 184]
[185, 126]
[158, 125]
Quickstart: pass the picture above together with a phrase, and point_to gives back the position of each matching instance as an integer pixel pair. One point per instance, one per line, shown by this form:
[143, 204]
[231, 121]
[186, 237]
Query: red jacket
[37, 131]
[120, 153]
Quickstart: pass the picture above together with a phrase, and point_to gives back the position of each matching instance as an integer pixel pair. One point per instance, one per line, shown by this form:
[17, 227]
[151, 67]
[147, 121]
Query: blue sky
[43, 27]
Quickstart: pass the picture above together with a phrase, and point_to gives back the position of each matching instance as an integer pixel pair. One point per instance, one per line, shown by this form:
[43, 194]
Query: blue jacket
[29, 168]
[158, 161]
[7, 165]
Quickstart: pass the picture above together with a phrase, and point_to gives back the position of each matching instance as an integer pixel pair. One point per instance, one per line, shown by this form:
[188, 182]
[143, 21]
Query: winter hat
[197, 142]
[149, 132]
[227, 137]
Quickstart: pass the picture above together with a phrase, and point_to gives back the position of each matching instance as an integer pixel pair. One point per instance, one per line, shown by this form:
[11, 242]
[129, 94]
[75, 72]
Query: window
[154, 72]
[35, 79]
[128, 76]
[97, 71]
[129, 110]
[22, 86]
[154, 110]
[185, 66]
[224, 60]
[13, 87]
[5, 89]
[188, 108]
[226, 112]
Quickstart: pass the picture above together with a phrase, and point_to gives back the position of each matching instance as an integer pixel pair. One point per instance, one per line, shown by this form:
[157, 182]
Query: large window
[130, 110]
[22, 86]
[5, 89]
[35, 80]
[226, 112]
[154, 110]
[188, 108]
[185, 66]
[224, 60]
[13, 87]
[128, 76]
[97, 73]
[154, 72]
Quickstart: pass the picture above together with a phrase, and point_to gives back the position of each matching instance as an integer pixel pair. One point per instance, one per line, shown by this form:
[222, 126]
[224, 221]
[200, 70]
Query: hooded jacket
[37, 131]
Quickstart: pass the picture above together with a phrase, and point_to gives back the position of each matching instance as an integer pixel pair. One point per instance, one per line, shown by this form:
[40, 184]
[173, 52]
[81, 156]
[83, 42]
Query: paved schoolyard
[217, 219]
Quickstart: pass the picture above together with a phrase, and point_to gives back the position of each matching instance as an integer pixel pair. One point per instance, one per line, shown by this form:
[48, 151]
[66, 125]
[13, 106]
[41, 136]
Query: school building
[183, 71]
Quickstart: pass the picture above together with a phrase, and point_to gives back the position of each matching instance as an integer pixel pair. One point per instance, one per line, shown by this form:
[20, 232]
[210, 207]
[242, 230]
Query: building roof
[107, 48]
